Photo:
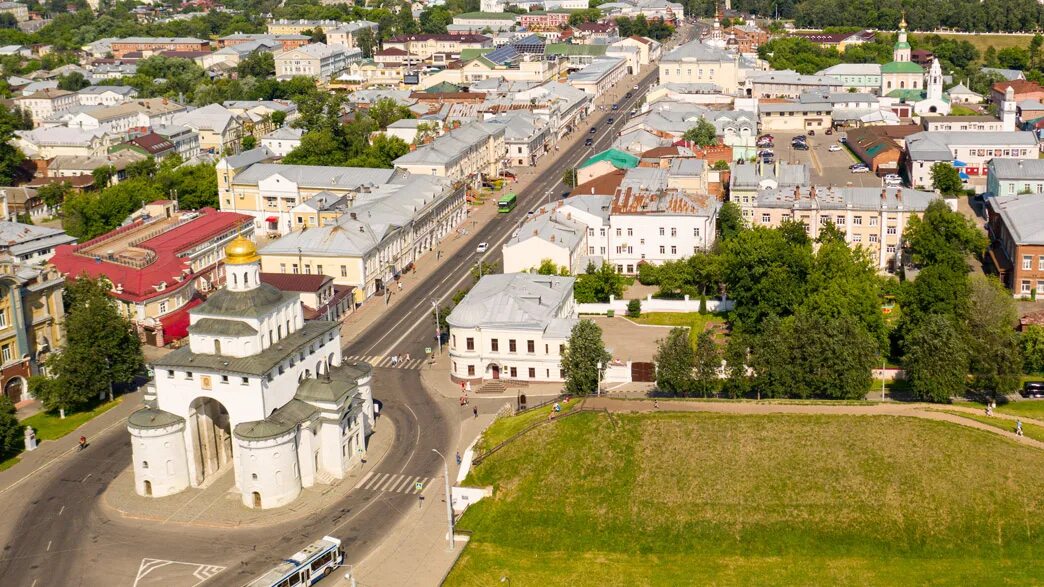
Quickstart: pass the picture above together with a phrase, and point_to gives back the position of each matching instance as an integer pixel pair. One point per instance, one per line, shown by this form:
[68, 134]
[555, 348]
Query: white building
[347, 34]
[600, 76]
[282, 140]
[655, 227]
[105, 95]
[968, 150]
[512, 326]
[257, 390]
[570, 232]
[318, 60]
[27, 243]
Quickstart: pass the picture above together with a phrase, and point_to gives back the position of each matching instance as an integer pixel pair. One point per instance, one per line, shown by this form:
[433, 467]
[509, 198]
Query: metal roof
[515, 300]
[1022, 215]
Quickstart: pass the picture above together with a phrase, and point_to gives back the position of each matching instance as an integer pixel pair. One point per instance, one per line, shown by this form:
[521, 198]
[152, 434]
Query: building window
[873, 221]
[839, 220]
[890, 248]
[674, 250]
[873, 238]
[532, 373]
[696, 232]
[514, 373]
[857, 220]
[244, 381]
[890, 230]
[856, 238]
[224, 379]
[1025, 286]
[766, 218]
[163, 306]
[1040, 263]
[662, 229]
[344, 271]
[662, 249]
[282, 267]
[674, 231]
[494, 345]
[1027, 261]
[471, 370]
[170, 373]
[470, 343]
[293, 268]
[618, 233]
[511, 346]
[530, 346]
[188, 374]
[1040, 286]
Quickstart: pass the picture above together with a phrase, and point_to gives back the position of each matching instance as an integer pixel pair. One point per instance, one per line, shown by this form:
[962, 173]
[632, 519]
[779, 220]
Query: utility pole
[449, 498]
[438, 324]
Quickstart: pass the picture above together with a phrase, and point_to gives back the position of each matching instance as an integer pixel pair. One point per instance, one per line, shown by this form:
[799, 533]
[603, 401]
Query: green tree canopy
[580, 361]
[703, 134]
[993, 345]
[675, 362]
[946, 179]
[935, 359]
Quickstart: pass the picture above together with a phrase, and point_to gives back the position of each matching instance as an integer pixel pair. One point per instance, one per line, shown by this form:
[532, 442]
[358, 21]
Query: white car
[860, 170]
[482, 248]
[834, 148]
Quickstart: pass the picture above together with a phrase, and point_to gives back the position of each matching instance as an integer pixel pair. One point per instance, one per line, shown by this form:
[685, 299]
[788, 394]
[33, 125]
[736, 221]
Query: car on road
[1033, 389]
[834, 148]
[593, 130]
[611, 120]
[811, 133]
[636, 88]
[588, 142]
[853, 166]
[765, 152]
[861, 169]
[482, 248]
[829, 131]
[616, 106]
[628, 95]
[766, 138]
[893, 178]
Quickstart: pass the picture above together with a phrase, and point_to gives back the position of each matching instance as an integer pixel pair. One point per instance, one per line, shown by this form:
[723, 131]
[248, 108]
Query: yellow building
[31, 318]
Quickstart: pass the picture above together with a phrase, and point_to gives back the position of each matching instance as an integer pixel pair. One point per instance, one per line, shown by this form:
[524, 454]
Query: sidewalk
[436, 378]
[48, 452]
[417, 551]
[218, 503]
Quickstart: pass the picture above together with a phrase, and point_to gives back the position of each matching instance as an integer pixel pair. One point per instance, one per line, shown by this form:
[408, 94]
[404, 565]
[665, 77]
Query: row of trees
[331, 141]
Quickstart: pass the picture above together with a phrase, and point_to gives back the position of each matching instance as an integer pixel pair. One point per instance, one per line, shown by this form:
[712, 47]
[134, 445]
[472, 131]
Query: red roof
[139, 282]
[176, 324]
[1020, 86]
[298, 282]
[596, 27]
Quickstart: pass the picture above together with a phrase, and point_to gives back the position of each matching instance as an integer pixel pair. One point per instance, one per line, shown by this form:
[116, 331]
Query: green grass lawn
[7, 464]
[1030, 430]
[694, 321]
[983, 41]
[49, 426]
[1025, 408]
[711, 499]
[504, 428]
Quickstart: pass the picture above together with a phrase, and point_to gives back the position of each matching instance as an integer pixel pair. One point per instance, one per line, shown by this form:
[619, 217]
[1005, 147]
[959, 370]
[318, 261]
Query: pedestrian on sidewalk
[1018, 427]
[459, 460]
[395, 360]
[474, 410]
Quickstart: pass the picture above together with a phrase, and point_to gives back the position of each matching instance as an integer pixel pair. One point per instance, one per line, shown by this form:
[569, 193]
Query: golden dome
[241, 251]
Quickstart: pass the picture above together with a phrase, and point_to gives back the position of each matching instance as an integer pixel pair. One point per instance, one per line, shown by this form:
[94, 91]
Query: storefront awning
[175, 324]
[964, 176]
[959, 163]
[272, 219]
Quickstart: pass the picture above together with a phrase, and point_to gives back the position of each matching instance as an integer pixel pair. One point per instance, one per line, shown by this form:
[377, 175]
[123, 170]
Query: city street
[59, 532]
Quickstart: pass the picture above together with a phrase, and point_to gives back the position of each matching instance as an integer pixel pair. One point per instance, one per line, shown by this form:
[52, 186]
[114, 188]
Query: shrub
[647, 274]
[703, 304]
[610, 313]
[634, 308]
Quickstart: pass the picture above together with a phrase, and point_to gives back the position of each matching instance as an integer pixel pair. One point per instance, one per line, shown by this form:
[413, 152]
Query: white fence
[651, 304]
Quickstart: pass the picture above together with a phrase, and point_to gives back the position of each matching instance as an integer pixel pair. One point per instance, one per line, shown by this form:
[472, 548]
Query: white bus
[312, 563]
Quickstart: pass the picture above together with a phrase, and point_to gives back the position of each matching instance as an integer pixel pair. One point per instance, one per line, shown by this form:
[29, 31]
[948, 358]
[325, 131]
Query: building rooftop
[298, 282]
[19, 239]
[1023, 216]
[315, 176]
[664, 202]
[619, 159]
[845, 198]
[514, 300]
[1008, 169]
[936, 145]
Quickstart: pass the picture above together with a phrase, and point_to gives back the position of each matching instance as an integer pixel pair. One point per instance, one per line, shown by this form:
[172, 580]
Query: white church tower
[934, 87]
[258, 393]
[1008, 113]
[901, 51]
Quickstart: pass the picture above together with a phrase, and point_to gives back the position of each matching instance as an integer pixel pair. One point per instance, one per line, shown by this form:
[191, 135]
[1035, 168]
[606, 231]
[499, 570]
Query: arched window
[235, 280]
[144, 464]
[217, 347]
[902, 84]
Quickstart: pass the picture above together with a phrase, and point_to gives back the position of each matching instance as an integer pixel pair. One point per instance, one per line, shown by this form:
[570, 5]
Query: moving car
[482, 248]
[616, 106]
[629, 94]
[588, 142]
[834, 148]
[593, 130]
[611, 119]
[1033, 389]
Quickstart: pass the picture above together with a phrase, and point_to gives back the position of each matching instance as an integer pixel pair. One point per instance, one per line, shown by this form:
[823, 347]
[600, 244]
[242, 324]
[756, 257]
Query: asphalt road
[56, 532]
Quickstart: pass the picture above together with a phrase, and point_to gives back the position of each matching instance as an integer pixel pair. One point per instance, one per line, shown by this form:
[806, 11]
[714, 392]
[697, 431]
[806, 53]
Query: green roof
[571, 49]
[443, 88]
[901, 67]
[619, 159]
[469, 54]
[487, 16]
[243, 304]
[903, 45]
[908, 94]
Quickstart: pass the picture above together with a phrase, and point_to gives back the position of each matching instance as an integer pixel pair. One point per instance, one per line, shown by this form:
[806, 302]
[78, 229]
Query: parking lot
[826, 167]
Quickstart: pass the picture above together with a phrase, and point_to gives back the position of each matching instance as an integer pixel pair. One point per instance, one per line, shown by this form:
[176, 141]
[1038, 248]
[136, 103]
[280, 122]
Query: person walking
[474, 410]
[459, 460]
[1018, 427]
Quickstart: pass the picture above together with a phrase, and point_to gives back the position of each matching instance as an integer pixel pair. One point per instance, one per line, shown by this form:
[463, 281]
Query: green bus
[506, 203]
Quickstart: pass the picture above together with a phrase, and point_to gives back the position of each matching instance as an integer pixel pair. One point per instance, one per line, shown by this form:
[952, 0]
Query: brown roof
[658, 152]
[468, 38]
[392, 51]
[152, 143]
[299, 282]
[643, 40]
[604, 185]
[1020, 86]
[631, 202]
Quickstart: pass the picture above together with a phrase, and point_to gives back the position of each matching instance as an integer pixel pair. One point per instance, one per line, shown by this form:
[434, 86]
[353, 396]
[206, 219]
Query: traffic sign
[418, 486]
[427, 350]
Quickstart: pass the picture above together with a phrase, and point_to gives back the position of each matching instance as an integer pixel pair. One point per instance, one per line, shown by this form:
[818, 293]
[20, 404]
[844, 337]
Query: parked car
[482, 248]
[863, 169]
[1033, 389]
[811, 133]
[588, 142]
[893, 177]
[764, 143]
[843, 140]
[834, 148]
[593, 130]
[765, 152]
[628, 95]
[636, 88]
[611, 119]
[800, 146]
[854, 165]
[829, 131]
[616, 106]
[766, 137]
[800, 139]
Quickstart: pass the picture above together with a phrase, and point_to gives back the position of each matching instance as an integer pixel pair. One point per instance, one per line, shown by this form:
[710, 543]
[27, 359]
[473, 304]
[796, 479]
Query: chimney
[899, 195]
[352, 214]
[884, 194]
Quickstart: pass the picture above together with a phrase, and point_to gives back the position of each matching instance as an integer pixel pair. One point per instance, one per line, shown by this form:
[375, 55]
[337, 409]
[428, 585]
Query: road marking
[48, 546]
[61, 510]
[87, 477]
[395, 483]
[364, 480]
[202, 572]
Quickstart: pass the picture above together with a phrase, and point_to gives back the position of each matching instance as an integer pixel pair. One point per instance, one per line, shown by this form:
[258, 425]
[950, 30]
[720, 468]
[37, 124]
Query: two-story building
[512, 326]
[31, 323]
[968, 150]
[1016, 253]
[317, 60]
[1015, 177]
[475, 149]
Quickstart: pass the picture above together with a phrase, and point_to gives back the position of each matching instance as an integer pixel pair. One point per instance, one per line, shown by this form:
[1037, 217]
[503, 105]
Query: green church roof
[443, 88]
[619, 159]
[908, 94]
[902, 45]
[901, 67]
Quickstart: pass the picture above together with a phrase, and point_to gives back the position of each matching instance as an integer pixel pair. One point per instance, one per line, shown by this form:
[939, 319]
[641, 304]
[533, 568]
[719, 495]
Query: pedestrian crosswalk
[388, 361]
[392, 482]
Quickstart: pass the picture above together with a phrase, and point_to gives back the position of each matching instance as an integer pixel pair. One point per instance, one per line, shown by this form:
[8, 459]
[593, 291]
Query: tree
[101, 349]
[249, 142]
[708, 362]
[386, 111]
[54, 193]
[597, 285]
[675, 362]
[703, 134]
[730, 220]
[583, 354]
[737, 380]
[946, 179]
[278, 118]
[12, 433]
[548, 267]
[10, 157]
[942, 235]
[365, 41]
[435, 19]
[634, 308]
[720, 165]
[935, 359]
[72, 82]
[993, 347]
[258, 64]
[103, 175]
[569, 177]
[1032, 341]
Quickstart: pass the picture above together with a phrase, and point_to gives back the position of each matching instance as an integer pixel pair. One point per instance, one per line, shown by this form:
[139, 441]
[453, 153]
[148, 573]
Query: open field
[1025, 408]
[983, 41]
[505, 428]
[694, 321]
[702, 498]
[1029, 430]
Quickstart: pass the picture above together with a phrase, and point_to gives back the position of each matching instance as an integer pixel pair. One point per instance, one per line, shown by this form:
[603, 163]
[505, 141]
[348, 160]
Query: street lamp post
[598, 375]
[449, 498]
[438, 324]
